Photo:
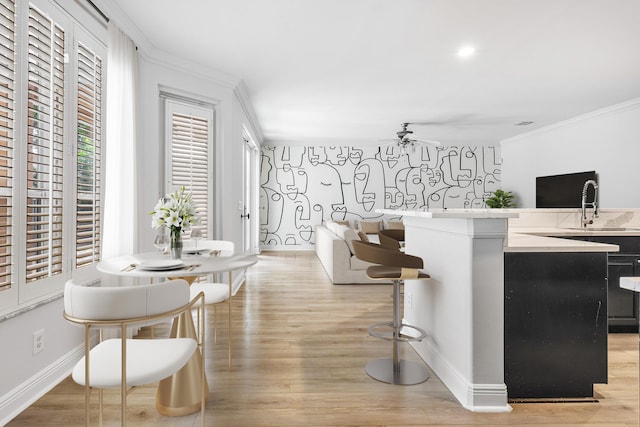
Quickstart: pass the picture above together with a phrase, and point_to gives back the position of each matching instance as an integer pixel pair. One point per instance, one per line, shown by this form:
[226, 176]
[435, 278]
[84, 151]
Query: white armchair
[217, 292]
[103, 366]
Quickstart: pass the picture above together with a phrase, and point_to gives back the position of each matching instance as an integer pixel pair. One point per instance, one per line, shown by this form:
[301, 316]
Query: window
[7, 107]
[190, 136]
[45, 146]
[51, 107]
[89, 150]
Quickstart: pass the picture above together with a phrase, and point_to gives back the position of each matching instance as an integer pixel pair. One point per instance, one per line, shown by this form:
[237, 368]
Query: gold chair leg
[87, 388]
[230, 323]
[101, 406]
[229, 338]
[203, 379]
[215, 324]
[123, 378]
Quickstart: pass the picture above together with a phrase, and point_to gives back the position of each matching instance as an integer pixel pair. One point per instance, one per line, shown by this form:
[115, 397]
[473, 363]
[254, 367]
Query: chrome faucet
[593, 204]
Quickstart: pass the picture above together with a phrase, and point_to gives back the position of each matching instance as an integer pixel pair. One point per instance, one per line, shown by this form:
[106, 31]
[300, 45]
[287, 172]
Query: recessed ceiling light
[466, 51]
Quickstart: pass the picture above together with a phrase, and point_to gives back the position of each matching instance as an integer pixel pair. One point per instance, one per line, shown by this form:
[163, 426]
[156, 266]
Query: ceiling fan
[404, 139]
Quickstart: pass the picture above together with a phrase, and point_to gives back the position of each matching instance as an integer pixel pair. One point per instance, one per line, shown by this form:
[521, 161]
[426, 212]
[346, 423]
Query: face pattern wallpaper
[302, 186]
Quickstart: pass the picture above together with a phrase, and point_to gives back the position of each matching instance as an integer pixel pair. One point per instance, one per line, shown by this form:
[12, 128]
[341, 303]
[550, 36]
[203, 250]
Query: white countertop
[553, 239]
[529, 239]
[631, 283]
[451, 213]
[566, 232]
[518, 242]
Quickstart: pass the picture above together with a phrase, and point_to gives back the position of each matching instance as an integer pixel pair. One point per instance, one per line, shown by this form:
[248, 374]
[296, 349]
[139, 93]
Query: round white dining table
[193, 264]
[179, 394]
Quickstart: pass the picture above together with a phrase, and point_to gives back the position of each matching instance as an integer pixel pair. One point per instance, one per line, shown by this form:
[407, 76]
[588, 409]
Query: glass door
[250, 196]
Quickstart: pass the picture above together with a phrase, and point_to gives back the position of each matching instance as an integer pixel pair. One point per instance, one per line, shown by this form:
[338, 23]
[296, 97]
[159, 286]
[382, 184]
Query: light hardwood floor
[300, 348]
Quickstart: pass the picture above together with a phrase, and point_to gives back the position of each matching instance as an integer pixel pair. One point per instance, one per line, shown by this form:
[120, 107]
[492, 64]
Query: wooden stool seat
[384, 272]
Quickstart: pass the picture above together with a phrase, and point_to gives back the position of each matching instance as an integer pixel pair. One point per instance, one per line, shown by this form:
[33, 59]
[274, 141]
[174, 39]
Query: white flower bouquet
[177, 212]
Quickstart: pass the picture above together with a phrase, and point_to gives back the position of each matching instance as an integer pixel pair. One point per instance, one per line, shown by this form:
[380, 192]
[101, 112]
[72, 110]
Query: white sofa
[334, 250]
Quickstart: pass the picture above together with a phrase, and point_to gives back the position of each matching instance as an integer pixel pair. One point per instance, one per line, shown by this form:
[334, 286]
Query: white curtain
[120, 213]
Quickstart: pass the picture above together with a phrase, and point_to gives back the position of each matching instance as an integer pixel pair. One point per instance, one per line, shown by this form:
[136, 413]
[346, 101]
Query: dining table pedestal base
[179, 394]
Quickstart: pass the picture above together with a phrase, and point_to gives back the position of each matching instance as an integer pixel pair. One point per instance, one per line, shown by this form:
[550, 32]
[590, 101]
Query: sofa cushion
[348, 234]
[332, 226]
[394, 225]
[369, 227]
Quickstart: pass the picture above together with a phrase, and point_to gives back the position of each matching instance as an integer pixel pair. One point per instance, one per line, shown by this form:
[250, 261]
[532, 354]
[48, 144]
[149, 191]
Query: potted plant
[501, 199]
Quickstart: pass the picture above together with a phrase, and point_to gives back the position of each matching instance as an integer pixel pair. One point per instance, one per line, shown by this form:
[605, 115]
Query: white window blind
[7, 95]
[39, 68]
[89, 151]
[190, 137]
[45, 126]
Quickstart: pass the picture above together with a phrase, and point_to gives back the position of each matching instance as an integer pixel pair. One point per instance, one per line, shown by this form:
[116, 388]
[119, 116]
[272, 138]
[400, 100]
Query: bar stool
[391, 238]
[395, 266]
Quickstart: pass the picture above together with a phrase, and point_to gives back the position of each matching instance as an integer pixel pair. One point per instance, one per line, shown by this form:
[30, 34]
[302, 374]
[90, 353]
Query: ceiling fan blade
[428, 142]
[432, 123]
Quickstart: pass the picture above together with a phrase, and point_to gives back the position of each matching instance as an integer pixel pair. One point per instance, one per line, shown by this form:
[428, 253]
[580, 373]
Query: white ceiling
[349, 72]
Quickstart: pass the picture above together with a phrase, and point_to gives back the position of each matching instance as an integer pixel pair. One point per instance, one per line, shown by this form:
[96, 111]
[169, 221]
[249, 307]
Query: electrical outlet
[38, 341]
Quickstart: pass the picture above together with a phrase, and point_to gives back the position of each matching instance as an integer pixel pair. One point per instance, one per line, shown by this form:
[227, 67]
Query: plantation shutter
[7, 96]
[45, 126]
[190, 136]
[89, 176]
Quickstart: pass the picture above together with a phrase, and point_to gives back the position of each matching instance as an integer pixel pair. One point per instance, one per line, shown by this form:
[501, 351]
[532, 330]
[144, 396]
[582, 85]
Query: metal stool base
[408, 373]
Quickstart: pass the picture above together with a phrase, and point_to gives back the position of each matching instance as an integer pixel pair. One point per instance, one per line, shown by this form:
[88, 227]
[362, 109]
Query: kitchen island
[462, 307]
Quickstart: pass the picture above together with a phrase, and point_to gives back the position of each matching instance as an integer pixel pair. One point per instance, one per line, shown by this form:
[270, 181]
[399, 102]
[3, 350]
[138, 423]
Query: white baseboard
[21, 397]
[287, 248]
[474, 397]
[238, 281]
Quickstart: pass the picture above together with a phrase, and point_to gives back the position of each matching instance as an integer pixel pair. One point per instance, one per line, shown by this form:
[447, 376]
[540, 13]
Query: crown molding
[627, 105]
[242, 94]
[162, 58]
[153, 54]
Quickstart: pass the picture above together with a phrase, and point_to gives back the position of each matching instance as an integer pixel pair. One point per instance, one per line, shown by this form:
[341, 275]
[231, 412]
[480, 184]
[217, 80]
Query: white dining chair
[217, 292]
[123, 362]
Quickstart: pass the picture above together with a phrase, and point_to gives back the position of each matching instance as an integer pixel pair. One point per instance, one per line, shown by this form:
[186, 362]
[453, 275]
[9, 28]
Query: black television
[563, 191]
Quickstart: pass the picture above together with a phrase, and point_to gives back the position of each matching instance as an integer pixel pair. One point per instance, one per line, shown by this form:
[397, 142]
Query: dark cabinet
[622, 304]
[555, 336]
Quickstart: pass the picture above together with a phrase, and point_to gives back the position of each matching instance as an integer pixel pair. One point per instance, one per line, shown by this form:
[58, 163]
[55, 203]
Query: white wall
[26, 377]
[607, 141]
[156, 74]
[232, 111]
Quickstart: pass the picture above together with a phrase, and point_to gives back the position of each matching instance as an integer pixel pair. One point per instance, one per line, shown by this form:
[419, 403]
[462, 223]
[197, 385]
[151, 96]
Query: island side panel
[555, 324]
[461, 306]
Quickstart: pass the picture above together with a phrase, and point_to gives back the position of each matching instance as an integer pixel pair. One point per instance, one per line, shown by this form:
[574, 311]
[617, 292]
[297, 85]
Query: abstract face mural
[368, 180]
[327, 191]
[304, 186]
